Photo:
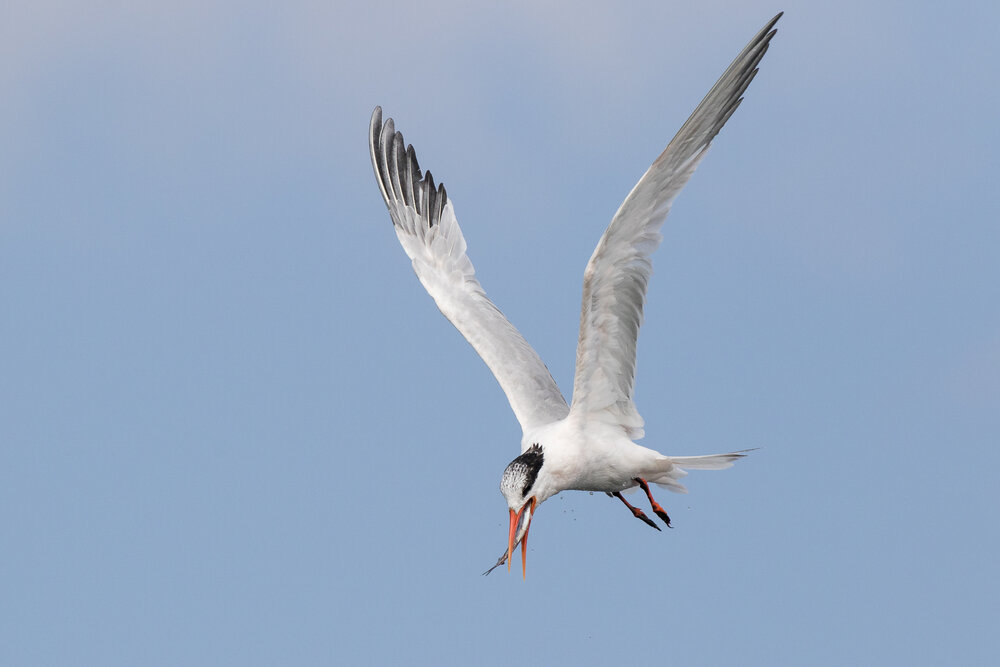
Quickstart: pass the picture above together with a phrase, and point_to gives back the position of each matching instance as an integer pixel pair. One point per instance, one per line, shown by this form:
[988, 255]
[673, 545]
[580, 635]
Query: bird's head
[519, 487]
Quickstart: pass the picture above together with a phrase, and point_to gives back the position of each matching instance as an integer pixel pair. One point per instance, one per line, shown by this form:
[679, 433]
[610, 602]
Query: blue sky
[234, 429]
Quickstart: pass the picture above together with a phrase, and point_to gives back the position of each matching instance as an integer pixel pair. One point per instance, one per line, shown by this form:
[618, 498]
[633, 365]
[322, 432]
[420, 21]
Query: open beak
[519, 525]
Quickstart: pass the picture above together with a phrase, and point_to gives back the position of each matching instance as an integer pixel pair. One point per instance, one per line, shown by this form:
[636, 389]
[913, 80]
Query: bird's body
[588, 455]
[587, 445]
[593, 455]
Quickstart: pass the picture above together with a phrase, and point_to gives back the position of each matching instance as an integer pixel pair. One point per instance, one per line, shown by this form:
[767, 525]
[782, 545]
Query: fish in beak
[520, 522]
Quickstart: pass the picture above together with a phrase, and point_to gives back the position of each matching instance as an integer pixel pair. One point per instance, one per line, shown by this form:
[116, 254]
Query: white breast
[590, 456]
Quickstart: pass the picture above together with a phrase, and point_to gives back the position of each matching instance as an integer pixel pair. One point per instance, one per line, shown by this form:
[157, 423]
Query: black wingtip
[398, 172]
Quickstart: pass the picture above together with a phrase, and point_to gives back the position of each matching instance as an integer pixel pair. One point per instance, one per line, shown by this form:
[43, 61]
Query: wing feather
[615, 281]
[425, 224]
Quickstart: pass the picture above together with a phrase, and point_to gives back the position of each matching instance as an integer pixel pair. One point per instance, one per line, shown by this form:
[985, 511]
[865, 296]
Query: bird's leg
[636, 512]
[660, 512]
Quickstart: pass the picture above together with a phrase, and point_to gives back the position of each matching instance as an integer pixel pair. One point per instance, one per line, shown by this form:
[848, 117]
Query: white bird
[587, 445]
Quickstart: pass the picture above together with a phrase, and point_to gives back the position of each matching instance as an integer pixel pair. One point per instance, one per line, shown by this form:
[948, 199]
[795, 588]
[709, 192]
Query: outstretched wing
[614, 284]
[429, 233]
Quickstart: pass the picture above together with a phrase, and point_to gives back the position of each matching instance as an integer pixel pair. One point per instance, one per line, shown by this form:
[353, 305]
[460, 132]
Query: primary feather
[425, 224]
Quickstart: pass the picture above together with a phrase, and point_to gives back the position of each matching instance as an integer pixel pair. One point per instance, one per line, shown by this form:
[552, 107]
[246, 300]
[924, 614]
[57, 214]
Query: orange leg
[636, 512]
[660, 512]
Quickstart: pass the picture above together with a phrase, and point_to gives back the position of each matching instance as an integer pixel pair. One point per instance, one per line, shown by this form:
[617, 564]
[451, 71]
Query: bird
[588, 444]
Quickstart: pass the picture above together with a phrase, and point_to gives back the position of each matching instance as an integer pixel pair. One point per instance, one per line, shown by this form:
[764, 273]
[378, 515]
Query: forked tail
[673, 468]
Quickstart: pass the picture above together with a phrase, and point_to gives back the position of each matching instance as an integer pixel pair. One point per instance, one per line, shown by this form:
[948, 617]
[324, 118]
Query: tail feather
[710, 461]
[673, 467]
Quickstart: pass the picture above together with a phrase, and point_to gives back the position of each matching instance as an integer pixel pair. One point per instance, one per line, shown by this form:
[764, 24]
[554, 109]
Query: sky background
[235, 430]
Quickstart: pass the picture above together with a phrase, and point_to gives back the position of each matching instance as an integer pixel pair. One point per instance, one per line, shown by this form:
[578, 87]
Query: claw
[636, 512]
[639, 514]
[663, 515]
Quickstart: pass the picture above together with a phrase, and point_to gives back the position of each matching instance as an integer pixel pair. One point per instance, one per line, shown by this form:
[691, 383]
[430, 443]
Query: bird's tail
[673, 468]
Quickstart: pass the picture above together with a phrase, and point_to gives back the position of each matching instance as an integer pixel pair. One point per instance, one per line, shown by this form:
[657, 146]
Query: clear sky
[235, 430]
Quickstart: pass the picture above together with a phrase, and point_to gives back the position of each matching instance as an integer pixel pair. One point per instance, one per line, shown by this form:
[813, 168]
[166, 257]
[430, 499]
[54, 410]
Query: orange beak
[524, 515]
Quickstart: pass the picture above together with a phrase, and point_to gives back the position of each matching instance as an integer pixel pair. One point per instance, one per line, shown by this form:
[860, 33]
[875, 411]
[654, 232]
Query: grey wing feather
[425, 224]
[614, 286]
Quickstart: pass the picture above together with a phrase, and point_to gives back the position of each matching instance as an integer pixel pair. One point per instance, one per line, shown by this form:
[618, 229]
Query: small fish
[522, 529]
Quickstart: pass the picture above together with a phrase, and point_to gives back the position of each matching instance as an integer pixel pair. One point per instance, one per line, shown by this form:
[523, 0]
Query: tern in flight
[587, 445]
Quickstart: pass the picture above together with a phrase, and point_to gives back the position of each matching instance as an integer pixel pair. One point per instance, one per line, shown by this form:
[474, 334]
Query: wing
[429, 233]
[614, 283]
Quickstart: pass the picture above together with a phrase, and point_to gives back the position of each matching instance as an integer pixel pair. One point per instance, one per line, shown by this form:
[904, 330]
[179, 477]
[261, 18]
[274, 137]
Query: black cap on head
[520, 474]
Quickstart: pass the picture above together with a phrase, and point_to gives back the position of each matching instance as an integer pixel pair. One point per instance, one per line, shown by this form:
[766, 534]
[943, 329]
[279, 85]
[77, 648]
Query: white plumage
[588, 445]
